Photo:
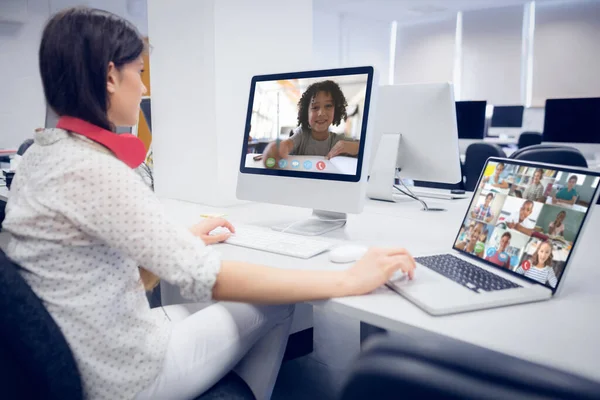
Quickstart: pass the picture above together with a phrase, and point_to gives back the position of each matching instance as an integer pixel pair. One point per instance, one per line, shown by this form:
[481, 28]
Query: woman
[322, 104]
[81, 221]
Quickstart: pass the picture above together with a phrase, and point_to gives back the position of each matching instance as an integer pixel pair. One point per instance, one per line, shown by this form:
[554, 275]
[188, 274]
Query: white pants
[207, 344]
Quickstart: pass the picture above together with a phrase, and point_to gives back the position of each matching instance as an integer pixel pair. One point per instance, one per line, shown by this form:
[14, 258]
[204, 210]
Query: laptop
[508, 250]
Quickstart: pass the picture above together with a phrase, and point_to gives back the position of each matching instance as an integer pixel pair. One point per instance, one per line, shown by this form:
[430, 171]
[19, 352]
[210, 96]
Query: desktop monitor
[470, 119]
[507, 117]
[574, 122]
[415, 133]
[146, 110]
[323, 164]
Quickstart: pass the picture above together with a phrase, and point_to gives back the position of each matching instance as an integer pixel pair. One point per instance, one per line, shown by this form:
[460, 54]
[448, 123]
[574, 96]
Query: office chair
[552, 154]
[529, 139]
[432, 366]
[35, 359]
[475, 158]
[24, 146]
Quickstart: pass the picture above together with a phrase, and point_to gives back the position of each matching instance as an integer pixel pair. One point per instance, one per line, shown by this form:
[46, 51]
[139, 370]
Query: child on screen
[322, 104]
[539, 267]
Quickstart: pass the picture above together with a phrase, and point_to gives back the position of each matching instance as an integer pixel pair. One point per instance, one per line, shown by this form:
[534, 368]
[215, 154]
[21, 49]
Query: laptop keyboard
[464, 273]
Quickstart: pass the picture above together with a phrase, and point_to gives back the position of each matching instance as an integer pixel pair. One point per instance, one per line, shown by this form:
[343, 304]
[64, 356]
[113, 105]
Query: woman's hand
[376, 267]
[203, 229]
[343, 147]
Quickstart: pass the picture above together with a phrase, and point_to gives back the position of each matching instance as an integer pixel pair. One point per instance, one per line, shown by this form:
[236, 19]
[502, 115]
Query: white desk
[502, 140]
[562, 332]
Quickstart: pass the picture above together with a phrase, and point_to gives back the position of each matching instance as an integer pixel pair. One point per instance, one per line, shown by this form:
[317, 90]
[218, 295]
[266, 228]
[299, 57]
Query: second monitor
[414, 132]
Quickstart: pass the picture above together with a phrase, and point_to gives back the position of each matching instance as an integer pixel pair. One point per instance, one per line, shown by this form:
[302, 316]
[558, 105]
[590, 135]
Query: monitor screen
[470, 119]
[572, 120]
[146, 110]
[526, 218]
[507, 117]
[308, 124]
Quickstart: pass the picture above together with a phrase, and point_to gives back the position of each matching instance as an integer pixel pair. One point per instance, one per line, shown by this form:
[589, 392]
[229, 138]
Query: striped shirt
[542, 275]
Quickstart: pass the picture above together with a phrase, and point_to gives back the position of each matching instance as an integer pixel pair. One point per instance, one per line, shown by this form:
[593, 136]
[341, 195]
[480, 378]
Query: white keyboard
[275, 242]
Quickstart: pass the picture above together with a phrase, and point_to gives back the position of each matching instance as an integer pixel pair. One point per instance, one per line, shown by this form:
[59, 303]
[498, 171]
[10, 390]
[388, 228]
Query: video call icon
[307, 164]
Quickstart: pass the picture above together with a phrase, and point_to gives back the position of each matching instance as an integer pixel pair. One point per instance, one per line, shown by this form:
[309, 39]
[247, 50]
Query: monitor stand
[383, 173]
[321, 222]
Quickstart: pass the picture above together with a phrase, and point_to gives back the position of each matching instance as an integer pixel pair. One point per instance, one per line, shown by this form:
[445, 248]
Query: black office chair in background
[431, 366]
[35, 359]
[529, 139]
[551, 154]
[475, 158]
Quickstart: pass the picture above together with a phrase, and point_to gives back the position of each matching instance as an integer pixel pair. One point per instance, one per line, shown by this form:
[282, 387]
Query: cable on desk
[413, 196]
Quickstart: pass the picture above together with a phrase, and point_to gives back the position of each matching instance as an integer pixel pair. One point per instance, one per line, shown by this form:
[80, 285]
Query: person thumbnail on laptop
[526, 219]
[309, 124]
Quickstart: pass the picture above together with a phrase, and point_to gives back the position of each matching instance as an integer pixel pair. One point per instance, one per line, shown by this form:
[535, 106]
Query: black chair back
[475, 158]
[552, 154]
[529, 139]
[431, 366]
[24, 146]
[35, 359]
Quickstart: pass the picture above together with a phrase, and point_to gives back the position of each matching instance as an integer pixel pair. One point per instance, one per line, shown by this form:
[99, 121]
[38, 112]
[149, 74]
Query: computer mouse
[347, 253]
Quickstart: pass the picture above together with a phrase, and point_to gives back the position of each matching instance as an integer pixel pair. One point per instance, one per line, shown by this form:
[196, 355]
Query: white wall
[366, 42]
[425, 52]
[491, 55]
[566, 50]
[22, 104]
[327, 50]
[199, 104]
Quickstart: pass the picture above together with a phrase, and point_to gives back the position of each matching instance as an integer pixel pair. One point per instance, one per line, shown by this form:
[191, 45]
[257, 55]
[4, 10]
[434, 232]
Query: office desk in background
[562, 332]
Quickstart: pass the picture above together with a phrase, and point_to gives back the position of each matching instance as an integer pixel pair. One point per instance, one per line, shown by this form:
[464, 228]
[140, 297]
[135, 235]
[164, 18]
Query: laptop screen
[526, 217]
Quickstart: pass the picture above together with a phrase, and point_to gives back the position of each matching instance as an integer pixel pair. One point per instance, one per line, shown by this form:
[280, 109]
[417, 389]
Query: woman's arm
[239, 281]
[109, 202]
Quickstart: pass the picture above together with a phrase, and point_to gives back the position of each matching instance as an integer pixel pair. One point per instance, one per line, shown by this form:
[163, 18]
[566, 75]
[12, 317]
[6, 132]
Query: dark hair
[573, 177]
[528, 201]
[77, 46]
[499, 164]
[490, 195]
[506, 234]
[339, 102]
